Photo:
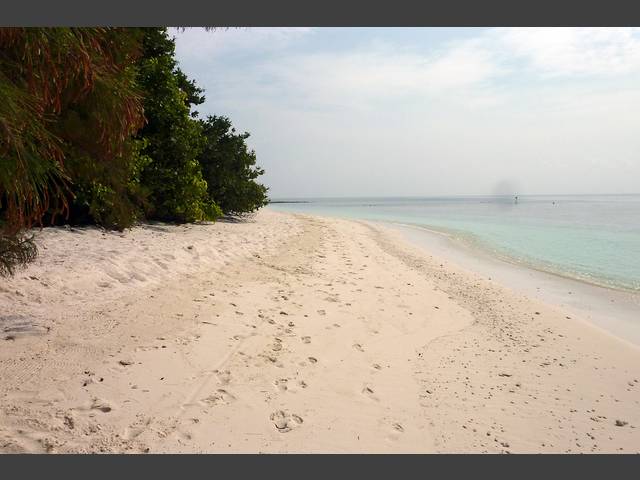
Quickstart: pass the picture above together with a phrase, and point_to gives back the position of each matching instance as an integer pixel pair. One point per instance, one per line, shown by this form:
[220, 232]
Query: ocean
[591, 238]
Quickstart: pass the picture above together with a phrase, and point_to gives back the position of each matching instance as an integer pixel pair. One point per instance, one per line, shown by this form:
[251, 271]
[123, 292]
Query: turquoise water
[593, 238]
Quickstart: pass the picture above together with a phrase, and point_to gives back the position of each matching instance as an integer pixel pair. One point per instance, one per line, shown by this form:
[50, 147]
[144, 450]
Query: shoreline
[471, 239]
[296, 333]
[478, 248]
[584, 299]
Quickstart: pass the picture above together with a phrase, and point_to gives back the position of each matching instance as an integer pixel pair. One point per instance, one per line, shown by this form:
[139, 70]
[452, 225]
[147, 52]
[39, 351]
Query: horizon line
[453, 195]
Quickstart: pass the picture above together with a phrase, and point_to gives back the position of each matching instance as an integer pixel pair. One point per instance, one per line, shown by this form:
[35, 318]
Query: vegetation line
[98, 126]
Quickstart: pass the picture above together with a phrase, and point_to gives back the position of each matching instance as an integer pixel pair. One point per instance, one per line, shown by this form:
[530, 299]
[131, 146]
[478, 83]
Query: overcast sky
[428, 111]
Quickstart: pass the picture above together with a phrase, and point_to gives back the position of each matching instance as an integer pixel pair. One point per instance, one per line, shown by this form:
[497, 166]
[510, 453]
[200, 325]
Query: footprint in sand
[281, 384]
[219, 397]
[133, 431]
[377, 366]
[285, 422]
[224, 377]
[313, 359]
[395, 432]
[268, 358]
[306, 339]
[102, 405]
[321, 312]
[358, 347]
[368, 391]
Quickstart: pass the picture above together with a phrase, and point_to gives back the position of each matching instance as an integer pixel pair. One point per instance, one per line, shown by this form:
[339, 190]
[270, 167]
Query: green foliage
[70, 96]
[15, 251]
[173, 181]
[229, 168]
[109, 193]
[69, 109]
[97, 125]
[103, 158]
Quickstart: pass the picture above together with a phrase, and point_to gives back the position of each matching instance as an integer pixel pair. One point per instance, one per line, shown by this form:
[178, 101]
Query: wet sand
[615, 311]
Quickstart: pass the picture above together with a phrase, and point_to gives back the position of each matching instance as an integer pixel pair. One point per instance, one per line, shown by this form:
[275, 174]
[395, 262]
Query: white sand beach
[294, 333]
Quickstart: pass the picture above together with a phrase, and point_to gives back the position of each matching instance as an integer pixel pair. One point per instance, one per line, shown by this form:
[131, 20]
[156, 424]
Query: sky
[336, 112]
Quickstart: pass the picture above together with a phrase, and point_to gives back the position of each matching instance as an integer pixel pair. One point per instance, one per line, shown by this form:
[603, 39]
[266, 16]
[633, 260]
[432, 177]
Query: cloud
[363, 78]
[554, 52]
[551, 109]
[475, 68]
[386, 71]
[474, 72]
[198, 44]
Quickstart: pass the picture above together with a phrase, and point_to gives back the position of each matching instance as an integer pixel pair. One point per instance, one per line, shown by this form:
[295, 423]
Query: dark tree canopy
[68, 97]
[172, 180]
[69, 109]
[98, 125]
[229, 168]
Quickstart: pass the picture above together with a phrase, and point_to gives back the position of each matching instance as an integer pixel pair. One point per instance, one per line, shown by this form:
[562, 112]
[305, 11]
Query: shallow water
[593, 238]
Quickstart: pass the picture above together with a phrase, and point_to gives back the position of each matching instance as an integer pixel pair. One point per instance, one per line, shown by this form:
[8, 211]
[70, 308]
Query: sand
[293, 333]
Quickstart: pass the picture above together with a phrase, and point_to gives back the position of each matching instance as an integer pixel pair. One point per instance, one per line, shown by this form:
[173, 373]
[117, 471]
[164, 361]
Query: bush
[15, 251]
[68, 112]
[174, 187]
[97, 126]
[229, 168]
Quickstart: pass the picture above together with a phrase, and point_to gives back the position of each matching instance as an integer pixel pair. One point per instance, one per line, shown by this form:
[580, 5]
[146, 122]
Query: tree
[103, 158]
[97, 125]
[68, 103]
[229, 168]
[172, 181]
